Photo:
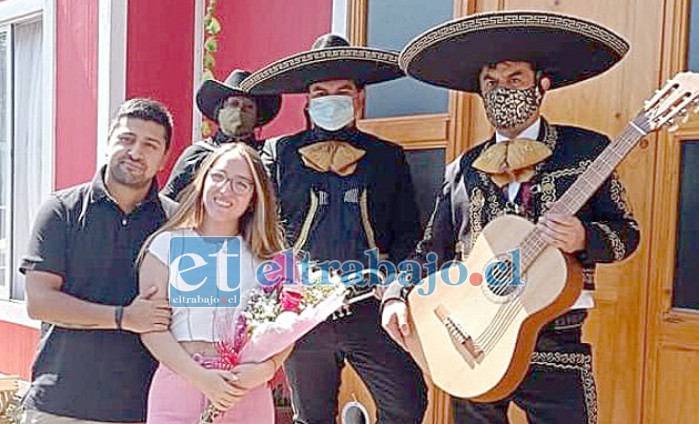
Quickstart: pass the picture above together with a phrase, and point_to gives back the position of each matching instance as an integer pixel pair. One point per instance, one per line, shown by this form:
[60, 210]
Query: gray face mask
[236, 121]
[509, 107]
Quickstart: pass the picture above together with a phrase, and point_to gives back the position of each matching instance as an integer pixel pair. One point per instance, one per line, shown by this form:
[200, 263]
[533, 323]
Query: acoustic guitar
[476, 341]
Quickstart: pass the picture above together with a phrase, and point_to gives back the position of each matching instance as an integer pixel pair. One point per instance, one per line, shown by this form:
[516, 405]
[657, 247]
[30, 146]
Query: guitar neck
[601, 168]
[587, 183]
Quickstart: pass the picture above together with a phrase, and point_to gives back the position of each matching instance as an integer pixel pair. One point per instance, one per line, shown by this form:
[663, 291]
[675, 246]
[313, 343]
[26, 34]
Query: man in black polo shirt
[81, 280]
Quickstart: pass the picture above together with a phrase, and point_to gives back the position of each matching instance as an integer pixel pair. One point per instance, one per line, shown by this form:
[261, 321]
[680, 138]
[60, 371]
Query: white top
[585, 300]
[205, 323]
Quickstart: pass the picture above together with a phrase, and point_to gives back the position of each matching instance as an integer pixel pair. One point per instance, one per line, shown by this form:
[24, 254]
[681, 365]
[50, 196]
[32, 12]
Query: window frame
[668, 173]
[5, 290]
[446, 131]
[413, 132]
[16, 12]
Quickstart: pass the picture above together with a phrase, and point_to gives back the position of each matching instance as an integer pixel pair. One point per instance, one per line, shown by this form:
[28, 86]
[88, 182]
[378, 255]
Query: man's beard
[125, 178]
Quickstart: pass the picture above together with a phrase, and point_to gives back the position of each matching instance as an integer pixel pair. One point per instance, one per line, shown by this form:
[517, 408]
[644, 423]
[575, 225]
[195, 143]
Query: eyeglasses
[238, 186]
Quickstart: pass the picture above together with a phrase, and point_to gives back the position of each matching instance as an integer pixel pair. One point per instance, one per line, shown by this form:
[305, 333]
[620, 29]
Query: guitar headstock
[673, 103]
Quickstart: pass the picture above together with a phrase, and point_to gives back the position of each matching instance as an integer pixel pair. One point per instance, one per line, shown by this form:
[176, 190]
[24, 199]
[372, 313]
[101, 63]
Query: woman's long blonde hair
[260, 226]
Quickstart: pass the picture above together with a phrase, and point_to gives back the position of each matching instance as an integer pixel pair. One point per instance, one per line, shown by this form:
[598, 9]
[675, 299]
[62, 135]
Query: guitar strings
[507, 312]
[533, 245]
[494, 326]
[503, 316]
[499, 325]
[513, 311]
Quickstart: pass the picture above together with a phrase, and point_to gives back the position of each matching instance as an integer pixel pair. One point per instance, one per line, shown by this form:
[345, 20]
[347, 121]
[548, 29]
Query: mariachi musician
[343, 193]
[511, 59]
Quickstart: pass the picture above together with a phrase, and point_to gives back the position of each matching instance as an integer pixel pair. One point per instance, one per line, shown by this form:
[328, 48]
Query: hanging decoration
[212, 27]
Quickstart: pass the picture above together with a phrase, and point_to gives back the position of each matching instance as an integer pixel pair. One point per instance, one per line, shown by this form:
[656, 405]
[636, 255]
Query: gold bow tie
[512, 160]
[339, 157]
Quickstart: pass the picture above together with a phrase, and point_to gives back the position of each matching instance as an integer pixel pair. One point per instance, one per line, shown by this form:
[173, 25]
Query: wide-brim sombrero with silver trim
[566, 48]
[212, 93]
[330, 58]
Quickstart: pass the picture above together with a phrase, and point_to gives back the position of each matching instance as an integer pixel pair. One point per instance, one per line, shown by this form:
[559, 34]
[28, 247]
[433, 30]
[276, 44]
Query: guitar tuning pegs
[695, 105]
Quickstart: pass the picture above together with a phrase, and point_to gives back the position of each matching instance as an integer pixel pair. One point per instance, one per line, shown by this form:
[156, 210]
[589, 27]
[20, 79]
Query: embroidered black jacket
[469, 200]
[337, 218]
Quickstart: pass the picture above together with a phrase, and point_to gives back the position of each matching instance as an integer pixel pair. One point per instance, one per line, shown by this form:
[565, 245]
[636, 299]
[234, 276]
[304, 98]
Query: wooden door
[672, 370]
[425, 130]
[606, 104]
[617, 327]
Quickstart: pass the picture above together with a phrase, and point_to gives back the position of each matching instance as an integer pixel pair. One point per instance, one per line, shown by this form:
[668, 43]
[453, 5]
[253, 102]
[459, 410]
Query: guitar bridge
[457, 332]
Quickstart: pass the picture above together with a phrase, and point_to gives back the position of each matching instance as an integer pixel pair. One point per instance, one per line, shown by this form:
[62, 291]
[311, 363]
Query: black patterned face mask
[509, 107]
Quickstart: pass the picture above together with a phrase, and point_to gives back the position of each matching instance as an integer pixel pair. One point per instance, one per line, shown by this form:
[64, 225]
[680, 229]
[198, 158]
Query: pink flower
[290, 299]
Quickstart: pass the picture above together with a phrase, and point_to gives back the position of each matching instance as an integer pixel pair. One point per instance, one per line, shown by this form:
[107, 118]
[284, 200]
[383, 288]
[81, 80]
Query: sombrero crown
[567, 49]
[212, 93]
[331, 57]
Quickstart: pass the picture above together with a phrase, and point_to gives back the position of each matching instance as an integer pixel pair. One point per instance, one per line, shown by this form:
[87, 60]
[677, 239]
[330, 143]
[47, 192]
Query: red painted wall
[159, 61]
[76, 91]
[17, 348]
[257, 32]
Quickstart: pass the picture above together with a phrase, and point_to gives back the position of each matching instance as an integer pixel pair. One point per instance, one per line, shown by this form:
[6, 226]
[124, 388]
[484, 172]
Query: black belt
[571, 320]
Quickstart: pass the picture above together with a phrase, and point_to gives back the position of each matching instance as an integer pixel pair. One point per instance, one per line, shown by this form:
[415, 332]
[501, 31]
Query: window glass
[27, 151]
[391, 24]
[686, 290]
[427, 171]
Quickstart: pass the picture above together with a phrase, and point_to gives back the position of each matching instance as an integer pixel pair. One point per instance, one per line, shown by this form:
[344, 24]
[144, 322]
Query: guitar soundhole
[500, 278]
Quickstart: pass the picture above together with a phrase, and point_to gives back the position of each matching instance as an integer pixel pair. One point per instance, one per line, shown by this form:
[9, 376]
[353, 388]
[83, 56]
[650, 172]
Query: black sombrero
[212, 93]
[331, 57]
[566, 48]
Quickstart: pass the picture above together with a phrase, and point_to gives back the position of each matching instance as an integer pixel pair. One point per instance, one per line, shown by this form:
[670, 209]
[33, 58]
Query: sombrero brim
[212, 93]
[566, 48]
[295, 73]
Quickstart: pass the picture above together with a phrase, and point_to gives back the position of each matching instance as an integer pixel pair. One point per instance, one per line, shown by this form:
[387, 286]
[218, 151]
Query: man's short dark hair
[359, 84]
[146, 110]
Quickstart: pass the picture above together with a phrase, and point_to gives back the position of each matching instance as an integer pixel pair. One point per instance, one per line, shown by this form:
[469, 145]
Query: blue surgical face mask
[331, 113]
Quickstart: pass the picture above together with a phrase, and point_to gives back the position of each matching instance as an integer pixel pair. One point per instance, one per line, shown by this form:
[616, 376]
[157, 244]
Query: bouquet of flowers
[273, 319]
